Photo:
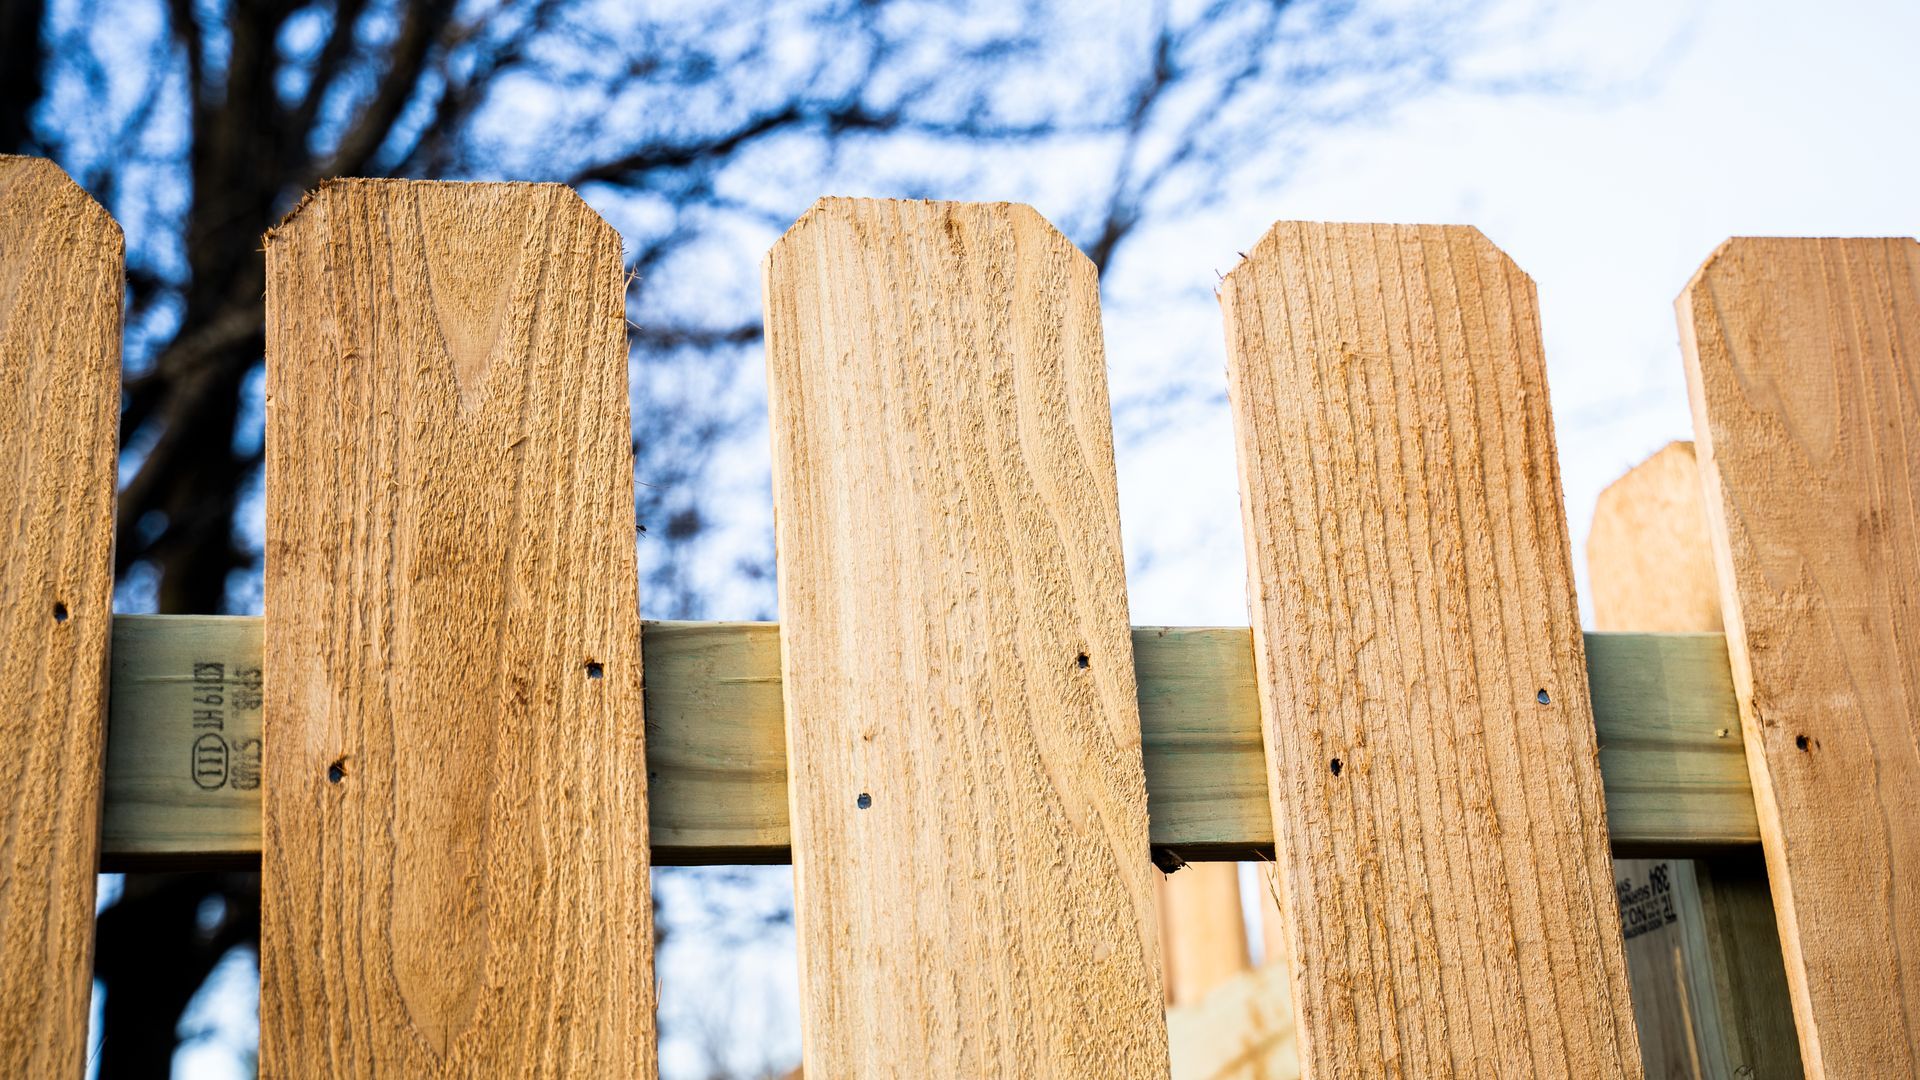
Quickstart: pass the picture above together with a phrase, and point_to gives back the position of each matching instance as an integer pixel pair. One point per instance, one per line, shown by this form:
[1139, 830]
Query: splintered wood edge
[183, 747]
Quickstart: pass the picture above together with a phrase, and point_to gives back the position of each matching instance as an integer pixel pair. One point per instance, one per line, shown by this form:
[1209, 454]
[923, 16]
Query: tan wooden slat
[717, 760]
[1203, 931]
[1709, 987]
[1802, 369]
[1273, 933]
[972, 892]
[61, 275]
[455, 876]
[1438, 813]
[1647, 552]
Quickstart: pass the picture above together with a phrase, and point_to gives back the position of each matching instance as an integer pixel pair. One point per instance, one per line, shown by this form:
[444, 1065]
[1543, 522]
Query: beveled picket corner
[456, 801]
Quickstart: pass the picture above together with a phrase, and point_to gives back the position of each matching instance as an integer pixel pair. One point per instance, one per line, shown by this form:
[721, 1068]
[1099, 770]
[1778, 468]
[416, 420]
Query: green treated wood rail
[183, 749]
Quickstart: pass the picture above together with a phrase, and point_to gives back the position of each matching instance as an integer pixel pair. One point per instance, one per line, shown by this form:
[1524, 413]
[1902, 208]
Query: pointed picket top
[1294, 236]
[42, 209]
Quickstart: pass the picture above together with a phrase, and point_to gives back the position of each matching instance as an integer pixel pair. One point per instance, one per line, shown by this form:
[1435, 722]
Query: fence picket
[61, 274]
[1438, 816]
[1203, 932]
[1709, 986]
[454, 831]
[969, 817]
[1806, 405]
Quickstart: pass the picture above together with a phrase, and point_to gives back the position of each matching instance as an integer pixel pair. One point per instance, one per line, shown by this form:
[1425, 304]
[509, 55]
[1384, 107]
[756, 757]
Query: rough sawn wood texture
[1803, 365]
[455, 838]
[1647, 551]
[1438, 816]
[973, 891]
[61, 275]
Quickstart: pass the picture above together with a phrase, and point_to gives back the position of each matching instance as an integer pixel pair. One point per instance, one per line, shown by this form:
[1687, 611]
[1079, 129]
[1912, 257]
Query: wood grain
[1648, 557]
[717, 756]
[1438, 812]
[455, 876]
[1709, 987]
[1200, 740]
[61, 276]
[1802, 369]
[1663, 711]
[972, 889]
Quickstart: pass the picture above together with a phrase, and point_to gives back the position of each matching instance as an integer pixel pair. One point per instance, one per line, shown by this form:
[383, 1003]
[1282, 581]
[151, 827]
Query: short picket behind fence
[455, 751]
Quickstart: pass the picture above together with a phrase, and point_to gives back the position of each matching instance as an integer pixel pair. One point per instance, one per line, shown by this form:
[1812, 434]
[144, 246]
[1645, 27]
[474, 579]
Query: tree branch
[326, 67]
[23, 60]
[425, 22]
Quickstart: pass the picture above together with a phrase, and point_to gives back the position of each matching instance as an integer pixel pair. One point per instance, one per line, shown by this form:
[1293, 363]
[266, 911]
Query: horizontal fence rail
[184, 749]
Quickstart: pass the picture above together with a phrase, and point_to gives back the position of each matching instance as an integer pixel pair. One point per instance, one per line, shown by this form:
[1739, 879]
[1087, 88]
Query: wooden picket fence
[433, 744]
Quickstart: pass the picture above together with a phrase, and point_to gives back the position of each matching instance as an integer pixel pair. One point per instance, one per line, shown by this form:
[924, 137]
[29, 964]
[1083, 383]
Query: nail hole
[1081, 661]
[594, 670]
[1542, 697]
[1335, 766]
[59, 611]
[865, 800]
[1801, 742]
[337, 771]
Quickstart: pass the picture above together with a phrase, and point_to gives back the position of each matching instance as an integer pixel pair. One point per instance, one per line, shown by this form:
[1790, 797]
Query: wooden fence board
[61, 274]
[969, 813]
[716, 745]
[1203, 931]
[1709, 987]
[184, 750]
[1805, 385]
[1438, 812]
[455, 840]
[1648, 557]
[1663, 711]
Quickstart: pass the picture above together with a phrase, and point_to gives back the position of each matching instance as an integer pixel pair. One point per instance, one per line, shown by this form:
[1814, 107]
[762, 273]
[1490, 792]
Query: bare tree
[699, 129]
